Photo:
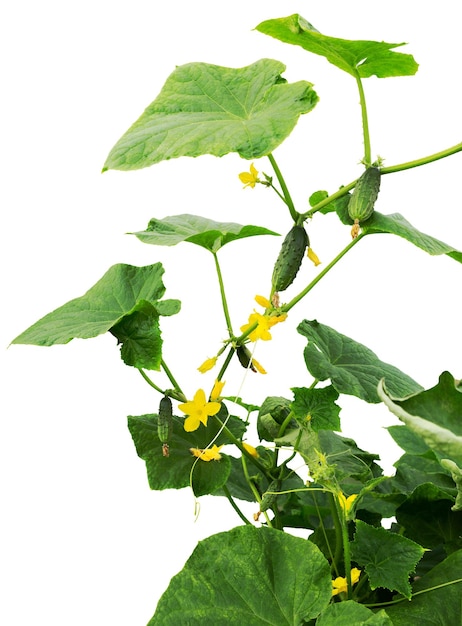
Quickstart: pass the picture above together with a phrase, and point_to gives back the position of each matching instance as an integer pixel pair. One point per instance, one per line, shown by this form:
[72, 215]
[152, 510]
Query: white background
[84, 540]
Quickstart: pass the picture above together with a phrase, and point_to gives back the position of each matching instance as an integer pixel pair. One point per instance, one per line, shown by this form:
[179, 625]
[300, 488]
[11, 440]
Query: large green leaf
[209, 234]
[207, 109]
[358, 58]
[174, 471]
[353, 369]
[388, 558]
[427, 518]
[396, 224]
[433, 415]
[252, 576]
[439, 606]
[121, 292]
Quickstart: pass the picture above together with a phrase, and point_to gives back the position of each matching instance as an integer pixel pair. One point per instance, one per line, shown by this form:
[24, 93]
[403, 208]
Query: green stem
[423, 161]
[384, 170]
[367, 140]
[334, 567]
[172, 380]
[285, 191]
[227, 361]
[338, 533]
[315, 281]
[278, 193]
[234, 505]
[253, 488]
[223, 296]
[417, 593]
[149, 381]
[338, 194]
[238, 443]
[346, 555]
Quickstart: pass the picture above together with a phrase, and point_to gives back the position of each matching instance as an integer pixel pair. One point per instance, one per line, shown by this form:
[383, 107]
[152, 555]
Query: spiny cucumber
[364, 196]
[269, 497]
[290, 258]
[164, 420]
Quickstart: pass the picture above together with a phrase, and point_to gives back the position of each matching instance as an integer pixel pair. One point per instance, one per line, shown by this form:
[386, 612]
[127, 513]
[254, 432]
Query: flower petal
[207, 365]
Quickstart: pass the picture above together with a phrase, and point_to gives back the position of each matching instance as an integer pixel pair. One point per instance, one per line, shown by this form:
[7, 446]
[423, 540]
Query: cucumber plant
[353, 565]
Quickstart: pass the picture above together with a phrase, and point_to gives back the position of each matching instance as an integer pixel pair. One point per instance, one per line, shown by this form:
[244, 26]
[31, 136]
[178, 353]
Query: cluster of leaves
[351, 569]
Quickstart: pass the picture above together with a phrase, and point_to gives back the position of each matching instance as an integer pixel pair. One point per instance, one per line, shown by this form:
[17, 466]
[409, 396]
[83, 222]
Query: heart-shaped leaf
[252, 576]
[353, 369]
[208, 109]
[209, 234]
[358, 58]
[122, 291]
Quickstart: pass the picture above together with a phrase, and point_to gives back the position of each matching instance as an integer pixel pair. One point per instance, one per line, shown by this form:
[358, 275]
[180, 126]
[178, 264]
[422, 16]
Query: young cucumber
[164, 421]
[290, 258]
[269, 499]
[364, 196]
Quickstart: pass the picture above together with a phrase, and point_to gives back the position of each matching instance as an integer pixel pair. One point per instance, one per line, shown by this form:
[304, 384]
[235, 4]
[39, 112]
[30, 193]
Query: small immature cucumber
[269, 499]
[364, 196]
[290, 258]
[164, 421]
[245, 358]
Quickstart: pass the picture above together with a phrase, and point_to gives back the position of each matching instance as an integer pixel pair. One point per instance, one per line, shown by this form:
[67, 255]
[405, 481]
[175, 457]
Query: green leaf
[358, 58]
[271, 415]
[353, 369]
[119, 293]
[251, 576]
[317, 196]
[415, 470]
[317, 406]
[174, 471]
[407, 440]
[396, 224]
[207, 109]
[209, 234]
[437, 597]
[350, 612]
[427, 518]
[442, 404]
[139, 334]
[350, 462]
[433, 415]
[388, 559]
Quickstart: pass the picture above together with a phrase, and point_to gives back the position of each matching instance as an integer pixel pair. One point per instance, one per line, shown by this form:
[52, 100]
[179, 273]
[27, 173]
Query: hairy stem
[234, 505]
[321, 274]
[423, 161]
[172, 379]
[285, 191]
[223, 296]
[367, 140]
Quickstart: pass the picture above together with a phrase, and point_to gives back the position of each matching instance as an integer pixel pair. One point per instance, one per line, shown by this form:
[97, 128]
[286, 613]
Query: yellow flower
[339, 585]
[264, 323]
[257, 366]
[346, 503]
[207, 365]
[217, 389]
[262, 301]
[198, 411]
[313, 256]
[249, 178]
[251, 450]
[209, 454]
